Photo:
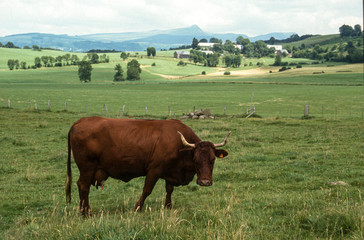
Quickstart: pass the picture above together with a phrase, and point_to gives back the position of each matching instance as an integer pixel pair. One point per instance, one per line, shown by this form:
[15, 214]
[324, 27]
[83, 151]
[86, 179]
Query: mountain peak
[191, 30]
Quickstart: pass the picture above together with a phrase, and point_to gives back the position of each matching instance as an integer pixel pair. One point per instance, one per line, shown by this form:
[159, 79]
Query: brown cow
[125, 149]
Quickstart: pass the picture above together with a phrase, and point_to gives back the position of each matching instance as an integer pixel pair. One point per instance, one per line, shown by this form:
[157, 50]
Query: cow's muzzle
[204, 182]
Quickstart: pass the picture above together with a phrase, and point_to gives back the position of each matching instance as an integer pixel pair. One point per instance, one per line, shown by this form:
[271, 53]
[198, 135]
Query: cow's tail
[69, 171]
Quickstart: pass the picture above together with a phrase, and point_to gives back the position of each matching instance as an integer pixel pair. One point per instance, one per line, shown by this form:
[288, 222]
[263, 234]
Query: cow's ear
[221, 153]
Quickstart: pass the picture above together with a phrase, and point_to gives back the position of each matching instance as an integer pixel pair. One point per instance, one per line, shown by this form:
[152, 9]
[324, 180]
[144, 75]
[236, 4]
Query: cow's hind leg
[84, 183]
[169, 190]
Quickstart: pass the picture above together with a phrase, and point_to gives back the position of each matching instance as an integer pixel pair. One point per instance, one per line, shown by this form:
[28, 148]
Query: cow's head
[204, 155]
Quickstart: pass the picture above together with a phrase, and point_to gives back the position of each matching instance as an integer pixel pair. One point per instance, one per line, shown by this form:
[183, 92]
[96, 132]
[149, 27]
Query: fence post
[169, 111]
[8, 103]
[86, 108]
[225, 110]
[146, 110]
[30, 104]
[123, 111]
[35, 106]
[65, 106]
[49, 105]
[307, 111]
[103, 109]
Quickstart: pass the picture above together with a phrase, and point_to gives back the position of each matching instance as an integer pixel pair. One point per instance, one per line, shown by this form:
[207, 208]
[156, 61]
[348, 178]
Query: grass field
[277, 183]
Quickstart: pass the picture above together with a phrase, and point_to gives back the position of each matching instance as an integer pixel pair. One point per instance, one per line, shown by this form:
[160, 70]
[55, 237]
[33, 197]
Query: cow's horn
[224, 142]
[185, 142]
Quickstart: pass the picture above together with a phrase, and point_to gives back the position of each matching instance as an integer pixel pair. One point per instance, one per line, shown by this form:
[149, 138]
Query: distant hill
[127, 41]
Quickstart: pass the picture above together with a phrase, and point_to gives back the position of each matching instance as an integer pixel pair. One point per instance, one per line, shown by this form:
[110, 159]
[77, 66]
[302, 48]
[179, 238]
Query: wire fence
[167, 111]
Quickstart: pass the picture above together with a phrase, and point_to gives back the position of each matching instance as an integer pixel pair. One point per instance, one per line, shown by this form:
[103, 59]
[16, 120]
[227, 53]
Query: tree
[213, 59]
[133, 70]
[104, 58]
[261, 49]
[124, 56]
[198, 56]
[23, 65]
[36, 48]
[74, 59]
[278, 61]
[37, 62]
[203, 40]
[346, 31]
[11, 64]
[357, 30]
[194, 43]
[228, 59]
[10, 45]
[45, 60]
[151, 51]
[218, 47]
[229, 46]
[248, 49]
[17, 65]
[350, 47]
[84, 71]
[239, 40]
[67, 58]
[215, 40]
[356, 56]
[119, 73]
[93, 57]
[236, 61]
[272, 40]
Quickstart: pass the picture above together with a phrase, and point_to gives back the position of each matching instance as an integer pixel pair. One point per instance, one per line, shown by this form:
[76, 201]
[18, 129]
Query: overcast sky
[253, 17]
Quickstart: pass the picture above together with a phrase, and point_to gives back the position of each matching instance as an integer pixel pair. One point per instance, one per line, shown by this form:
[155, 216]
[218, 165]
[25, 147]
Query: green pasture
[284, 100]
[283, 179]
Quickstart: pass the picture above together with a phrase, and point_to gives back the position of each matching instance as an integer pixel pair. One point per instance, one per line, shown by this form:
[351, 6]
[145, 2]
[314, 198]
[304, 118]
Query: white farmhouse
[279, 49]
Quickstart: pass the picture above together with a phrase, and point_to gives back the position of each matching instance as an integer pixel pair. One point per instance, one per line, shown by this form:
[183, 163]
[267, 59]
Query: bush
[153, 64]
[284, 69]
[227, 73]
[203, 73]
[181, 63]
[299, 66]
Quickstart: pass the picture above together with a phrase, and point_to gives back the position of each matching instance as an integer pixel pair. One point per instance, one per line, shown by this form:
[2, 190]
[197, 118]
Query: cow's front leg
[169, 190]
[150, 181]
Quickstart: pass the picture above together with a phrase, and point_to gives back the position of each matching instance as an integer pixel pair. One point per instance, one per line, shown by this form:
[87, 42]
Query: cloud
[76, 17]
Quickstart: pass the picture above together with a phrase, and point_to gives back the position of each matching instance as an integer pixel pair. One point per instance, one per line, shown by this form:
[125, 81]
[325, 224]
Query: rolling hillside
[130, 41]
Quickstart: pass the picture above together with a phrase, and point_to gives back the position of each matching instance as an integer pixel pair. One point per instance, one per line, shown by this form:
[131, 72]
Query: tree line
[349, 49]
[59, 61]
[132, 73]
